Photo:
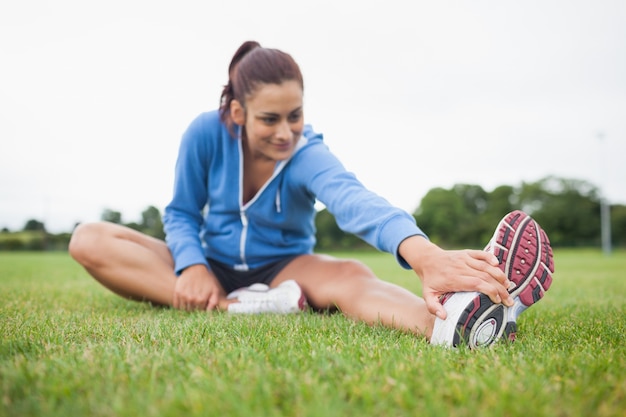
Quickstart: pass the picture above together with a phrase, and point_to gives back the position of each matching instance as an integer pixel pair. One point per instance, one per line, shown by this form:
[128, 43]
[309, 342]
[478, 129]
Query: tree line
[34, 235]
[463, 216]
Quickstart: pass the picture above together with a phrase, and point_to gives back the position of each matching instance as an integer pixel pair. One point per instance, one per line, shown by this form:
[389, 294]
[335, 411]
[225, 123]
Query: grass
[70, 348]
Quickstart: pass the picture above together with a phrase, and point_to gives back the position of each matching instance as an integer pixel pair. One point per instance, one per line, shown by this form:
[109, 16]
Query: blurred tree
[12, 243]
[569, 209]
[500, 201]
[618, 225]
[112, 216]
[330, 237]
[151, 222]
[33, 225]
[135, 226]
[439, 214]
[469, 227]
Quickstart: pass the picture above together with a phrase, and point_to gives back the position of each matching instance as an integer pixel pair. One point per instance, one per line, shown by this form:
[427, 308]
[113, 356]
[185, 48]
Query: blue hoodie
[208, 219]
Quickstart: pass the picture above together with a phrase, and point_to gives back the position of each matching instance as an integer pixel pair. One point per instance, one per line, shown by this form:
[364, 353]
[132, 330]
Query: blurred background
[412, 96]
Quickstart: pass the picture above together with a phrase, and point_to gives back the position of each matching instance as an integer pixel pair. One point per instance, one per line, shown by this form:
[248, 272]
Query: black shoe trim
[480, 310]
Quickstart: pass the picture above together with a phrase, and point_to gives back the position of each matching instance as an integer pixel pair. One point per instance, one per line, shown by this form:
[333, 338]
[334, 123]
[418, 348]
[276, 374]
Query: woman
[242, 215]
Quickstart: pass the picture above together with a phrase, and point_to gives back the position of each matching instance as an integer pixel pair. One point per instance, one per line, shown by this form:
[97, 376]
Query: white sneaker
[258, 287]
[525, 256]
[473, 319]
[286, 298]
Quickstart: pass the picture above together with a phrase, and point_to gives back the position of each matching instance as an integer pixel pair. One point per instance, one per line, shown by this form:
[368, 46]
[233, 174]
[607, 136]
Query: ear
[237, 112]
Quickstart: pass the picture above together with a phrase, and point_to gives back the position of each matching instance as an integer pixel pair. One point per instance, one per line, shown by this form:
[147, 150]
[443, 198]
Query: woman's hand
[197, 288]
[443, 271]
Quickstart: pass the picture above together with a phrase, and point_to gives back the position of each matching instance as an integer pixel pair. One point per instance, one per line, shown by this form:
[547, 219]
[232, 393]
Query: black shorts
[232, 279]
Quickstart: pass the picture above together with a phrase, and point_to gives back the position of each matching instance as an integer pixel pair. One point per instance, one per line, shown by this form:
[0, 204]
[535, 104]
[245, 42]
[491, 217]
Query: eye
[295, 117]
[269, 120]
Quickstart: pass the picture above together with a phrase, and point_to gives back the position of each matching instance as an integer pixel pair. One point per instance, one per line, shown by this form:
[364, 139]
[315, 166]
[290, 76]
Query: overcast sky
[411, 95]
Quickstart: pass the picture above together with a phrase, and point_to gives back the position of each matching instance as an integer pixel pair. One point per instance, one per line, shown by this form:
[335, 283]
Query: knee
[352, 279]
[84, 242]
[352, 269]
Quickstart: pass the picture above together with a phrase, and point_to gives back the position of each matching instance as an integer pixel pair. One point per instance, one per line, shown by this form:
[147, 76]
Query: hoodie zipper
[277, 200]
[243, 266]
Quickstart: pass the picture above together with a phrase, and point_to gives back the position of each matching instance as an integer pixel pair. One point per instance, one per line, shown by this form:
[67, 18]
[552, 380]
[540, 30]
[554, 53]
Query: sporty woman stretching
[242, 216]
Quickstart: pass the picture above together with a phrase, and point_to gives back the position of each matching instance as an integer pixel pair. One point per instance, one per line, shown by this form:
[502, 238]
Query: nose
[283, 131]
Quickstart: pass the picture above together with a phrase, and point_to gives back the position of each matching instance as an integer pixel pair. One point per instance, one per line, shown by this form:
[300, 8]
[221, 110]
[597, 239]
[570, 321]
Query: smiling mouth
[282, 145]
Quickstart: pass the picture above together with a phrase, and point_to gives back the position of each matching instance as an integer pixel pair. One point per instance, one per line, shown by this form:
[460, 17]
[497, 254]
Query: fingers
[466, 270]
[213, 301]
[208, 303]
[197, 289]
[187, 302]
[494, 282]
[488, 263]
[190, 304]
[434, 306]
[495, 291]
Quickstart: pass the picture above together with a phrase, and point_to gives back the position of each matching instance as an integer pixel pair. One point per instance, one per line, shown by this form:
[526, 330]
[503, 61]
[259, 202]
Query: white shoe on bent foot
[286, 298]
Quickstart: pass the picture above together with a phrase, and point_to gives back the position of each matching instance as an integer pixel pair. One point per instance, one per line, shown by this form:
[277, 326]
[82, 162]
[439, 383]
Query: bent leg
[126, 261]
[352, 288]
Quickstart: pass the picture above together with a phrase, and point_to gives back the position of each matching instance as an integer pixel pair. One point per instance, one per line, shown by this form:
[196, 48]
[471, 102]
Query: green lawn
[70, 348]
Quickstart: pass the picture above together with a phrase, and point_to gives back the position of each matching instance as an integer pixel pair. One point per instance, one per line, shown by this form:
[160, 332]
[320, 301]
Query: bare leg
[127, 262]
[352, 287]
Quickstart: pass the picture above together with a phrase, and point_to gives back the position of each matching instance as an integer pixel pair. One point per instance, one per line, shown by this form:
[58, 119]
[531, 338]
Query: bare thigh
[353, 288]
[126, 261]
[91, 243]
[324, 278]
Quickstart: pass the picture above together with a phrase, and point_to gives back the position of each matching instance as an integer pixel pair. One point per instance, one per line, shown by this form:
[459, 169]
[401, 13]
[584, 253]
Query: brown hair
[253, 65]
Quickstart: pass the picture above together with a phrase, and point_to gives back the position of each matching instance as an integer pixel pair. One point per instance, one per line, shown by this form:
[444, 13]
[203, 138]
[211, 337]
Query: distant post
[605, 206]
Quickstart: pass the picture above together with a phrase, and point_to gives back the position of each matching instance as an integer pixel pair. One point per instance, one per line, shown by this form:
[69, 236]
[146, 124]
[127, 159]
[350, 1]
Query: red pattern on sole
[525, 255]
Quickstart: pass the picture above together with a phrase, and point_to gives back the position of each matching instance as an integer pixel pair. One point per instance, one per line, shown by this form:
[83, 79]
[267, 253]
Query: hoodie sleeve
[356, 209]
[183, 217]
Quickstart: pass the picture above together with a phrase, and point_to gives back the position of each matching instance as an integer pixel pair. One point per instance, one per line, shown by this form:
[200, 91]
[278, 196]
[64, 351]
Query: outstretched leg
[352, 288]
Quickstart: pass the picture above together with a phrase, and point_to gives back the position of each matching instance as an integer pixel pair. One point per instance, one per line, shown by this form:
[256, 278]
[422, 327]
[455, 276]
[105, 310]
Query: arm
[196, 287]
[442, 271]
[356, 209]
[359, 211]
[182, 219]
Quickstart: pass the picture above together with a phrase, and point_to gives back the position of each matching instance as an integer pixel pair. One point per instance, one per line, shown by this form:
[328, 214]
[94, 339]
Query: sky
[410, 95]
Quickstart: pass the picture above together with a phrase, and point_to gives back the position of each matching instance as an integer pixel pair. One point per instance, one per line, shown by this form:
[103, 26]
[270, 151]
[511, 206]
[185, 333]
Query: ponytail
[228, 93]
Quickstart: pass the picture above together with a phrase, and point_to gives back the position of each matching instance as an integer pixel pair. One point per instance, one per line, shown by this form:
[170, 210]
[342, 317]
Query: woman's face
[273, 117]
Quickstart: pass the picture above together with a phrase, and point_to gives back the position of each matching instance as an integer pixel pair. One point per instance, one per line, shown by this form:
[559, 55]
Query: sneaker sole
[526, 258]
